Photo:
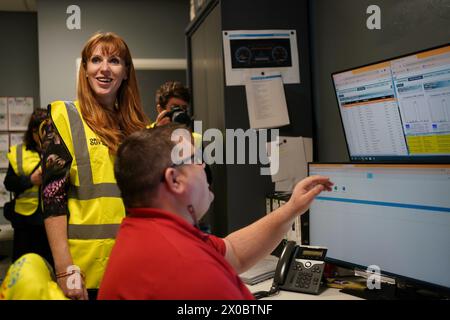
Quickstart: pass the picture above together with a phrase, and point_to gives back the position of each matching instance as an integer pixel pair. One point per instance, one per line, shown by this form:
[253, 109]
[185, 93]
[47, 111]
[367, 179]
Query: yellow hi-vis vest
[23, 162]
[95, 206]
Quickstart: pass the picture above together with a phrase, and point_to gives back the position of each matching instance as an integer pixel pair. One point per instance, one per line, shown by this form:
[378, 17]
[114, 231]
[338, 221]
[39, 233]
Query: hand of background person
[161, 119]
[306, 190]
[36, 177]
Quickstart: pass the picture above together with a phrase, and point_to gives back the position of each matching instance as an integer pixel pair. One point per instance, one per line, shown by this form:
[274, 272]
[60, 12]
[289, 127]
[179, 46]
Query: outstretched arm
[248, 245]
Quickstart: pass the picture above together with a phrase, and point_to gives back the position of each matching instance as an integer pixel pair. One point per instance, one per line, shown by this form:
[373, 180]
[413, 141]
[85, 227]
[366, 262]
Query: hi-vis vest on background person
[24, 162]
[30, 278]
[95, 206]
[198, 138]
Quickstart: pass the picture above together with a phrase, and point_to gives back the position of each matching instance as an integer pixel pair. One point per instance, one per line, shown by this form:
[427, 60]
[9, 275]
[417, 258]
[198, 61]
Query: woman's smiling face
[105, 73]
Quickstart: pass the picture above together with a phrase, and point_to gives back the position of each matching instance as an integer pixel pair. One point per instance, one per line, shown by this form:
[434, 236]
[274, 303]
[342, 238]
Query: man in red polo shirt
[159, 252]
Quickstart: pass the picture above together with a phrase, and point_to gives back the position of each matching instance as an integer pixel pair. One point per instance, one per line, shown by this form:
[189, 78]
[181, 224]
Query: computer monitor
[397, 109]
[394, 216]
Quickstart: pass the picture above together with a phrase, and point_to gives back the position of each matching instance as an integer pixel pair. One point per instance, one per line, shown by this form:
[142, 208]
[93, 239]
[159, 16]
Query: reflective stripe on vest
[93, 231]
[24, 162]
[19, 160]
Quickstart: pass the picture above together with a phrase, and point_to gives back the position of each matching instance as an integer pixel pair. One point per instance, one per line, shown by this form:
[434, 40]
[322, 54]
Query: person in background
[160, 253]
[169, 96]
[173, 105]
[82, 204]
[24, 179]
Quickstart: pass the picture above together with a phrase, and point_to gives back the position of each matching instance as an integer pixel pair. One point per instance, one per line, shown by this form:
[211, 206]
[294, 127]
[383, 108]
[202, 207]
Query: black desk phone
[299, 269]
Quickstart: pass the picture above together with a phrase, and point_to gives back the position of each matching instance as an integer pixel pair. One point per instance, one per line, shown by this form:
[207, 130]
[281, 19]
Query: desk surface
[327, 294]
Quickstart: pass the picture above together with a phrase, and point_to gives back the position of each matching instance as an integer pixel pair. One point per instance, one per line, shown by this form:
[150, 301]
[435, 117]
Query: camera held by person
[178, 114]
[172, 104]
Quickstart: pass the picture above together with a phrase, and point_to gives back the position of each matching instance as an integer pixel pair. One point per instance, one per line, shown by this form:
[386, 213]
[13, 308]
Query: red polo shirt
[158, 255]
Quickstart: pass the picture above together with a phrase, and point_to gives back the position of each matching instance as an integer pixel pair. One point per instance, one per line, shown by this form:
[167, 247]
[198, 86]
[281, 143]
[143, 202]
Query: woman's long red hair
[112, 126]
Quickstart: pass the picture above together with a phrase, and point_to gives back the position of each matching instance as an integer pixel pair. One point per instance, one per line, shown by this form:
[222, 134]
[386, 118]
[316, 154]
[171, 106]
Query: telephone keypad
[306, 278]
[300, 268]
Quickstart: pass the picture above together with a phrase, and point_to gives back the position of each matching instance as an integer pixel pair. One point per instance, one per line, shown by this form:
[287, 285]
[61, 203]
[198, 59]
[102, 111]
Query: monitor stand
[386, 292]
[390, 291]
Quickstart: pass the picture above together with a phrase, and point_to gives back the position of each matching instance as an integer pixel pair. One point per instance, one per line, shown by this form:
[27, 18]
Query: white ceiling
[18, 5]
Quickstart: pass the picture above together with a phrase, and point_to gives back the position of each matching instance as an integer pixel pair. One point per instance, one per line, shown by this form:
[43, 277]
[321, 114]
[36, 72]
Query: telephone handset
[299, 269]
[283, 265]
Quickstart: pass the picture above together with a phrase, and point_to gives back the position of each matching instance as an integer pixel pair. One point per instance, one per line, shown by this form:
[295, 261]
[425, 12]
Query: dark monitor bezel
[351, 265]
[387, 159]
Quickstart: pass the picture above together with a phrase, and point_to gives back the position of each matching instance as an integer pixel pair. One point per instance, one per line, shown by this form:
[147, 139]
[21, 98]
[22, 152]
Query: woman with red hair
[82, 204]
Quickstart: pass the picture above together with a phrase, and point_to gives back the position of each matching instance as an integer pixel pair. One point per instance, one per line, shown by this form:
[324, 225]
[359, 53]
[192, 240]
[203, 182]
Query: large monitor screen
[398, 109]
[393, 216]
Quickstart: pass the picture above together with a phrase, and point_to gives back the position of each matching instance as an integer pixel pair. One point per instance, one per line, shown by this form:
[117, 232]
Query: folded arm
[15, 183]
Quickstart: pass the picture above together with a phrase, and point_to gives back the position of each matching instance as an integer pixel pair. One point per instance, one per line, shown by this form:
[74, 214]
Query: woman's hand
[68, 275]
[72, 284]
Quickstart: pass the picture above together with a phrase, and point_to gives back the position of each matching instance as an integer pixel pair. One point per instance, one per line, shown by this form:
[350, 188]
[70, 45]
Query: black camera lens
[179, 114]
[181, 117]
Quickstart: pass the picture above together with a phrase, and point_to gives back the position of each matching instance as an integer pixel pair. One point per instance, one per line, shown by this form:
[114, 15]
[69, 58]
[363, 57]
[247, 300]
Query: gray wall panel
[208, 93]
[19, 67]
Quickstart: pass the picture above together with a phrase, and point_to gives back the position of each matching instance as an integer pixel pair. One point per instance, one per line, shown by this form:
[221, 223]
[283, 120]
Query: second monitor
[397, 109]
[396, 217]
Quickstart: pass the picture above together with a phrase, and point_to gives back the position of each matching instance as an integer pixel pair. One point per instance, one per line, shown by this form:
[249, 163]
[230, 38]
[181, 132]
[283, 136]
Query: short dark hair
[37, 117]
[172, 89]
[141, 160]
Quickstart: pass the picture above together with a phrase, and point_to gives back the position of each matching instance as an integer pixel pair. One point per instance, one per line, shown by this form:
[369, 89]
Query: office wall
[19, 65]
[341, 40]
[152, 29]
[207, 85]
